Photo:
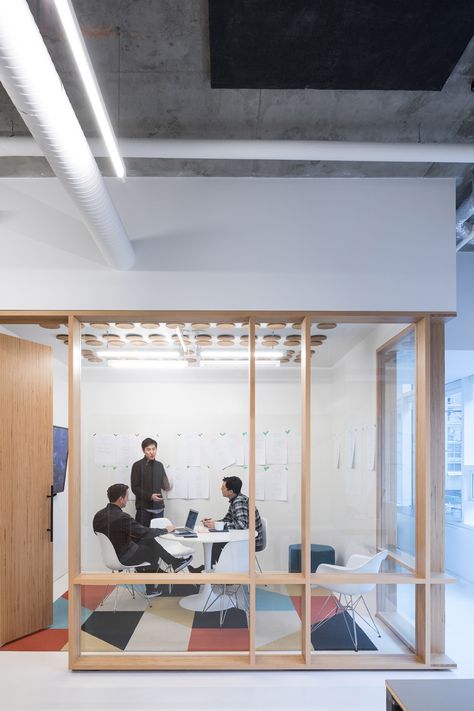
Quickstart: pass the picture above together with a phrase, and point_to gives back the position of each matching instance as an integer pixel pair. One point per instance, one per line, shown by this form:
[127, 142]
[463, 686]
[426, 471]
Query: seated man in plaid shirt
[237, 516]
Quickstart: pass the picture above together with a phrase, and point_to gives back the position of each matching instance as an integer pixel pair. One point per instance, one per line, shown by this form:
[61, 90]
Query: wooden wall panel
[26, 464]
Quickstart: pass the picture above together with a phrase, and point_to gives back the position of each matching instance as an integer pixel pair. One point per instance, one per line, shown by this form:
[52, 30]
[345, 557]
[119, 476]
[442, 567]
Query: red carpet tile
[216, 640]
[92, 595]
[317, 601]
[43, 641]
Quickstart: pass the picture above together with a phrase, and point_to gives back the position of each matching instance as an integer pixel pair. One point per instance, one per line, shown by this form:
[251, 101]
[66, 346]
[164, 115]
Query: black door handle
[50, 530]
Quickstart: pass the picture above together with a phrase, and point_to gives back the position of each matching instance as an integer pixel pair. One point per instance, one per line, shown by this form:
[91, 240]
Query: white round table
[197, 602]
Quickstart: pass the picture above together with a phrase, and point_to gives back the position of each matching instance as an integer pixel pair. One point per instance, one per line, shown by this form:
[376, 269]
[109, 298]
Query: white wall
[237, 243]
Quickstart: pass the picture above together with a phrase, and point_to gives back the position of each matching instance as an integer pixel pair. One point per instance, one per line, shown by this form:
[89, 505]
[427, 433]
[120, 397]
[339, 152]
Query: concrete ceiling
[152, 61]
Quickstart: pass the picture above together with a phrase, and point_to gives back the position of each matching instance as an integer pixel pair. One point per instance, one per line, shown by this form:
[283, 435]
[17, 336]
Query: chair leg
[374, 624]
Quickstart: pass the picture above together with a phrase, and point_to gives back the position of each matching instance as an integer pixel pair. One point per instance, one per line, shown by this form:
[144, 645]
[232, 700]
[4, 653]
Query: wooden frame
[427, 576]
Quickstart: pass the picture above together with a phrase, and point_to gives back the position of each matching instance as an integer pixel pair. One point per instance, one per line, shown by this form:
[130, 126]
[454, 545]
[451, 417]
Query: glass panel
[454, 412]
[278, 621]
[120, 620]
[185, 387]
[343, 439]
[278, 433]
[343, 621]
[398, 494]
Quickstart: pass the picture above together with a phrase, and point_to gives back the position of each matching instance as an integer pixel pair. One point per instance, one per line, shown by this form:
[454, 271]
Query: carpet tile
[116, 628]
[50, 640]
[210, 620]
[219, 640]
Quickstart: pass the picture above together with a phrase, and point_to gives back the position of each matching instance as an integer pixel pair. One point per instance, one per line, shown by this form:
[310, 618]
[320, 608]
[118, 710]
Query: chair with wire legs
[224, 596]
[174, 548]
[347, 597]
[111, 561]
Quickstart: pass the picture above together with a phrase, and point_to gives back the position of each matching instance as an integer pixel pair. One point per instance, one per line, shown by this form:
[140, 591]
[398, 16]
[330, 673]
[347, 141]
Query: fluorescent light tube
[239, 354]
[81, 57]
[139, 355]
[240, 363]
[147, 364]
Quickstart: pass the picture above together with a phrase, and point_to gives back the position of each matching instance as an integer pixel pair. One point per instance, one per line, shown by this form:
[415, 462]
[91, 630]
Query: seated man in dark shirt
[133, 542]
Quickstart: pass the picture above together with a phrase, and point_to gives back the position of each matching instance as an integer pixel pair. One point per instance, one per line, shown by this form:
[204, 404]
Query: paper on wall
[220, 452]
[104, 450]
[336, 451]
[179, 476]
[370, 445]
[236, 444]
[294, 448]
[188, 450]
[128, 449]
[276, 484]
[260, 450]
[276, 448]
[198, 483]
[260, 483]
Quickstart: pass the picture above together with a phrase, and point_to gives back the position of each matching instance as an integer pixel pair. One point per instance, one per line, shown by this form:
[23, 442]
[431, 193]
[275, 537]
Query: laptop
[189, 525]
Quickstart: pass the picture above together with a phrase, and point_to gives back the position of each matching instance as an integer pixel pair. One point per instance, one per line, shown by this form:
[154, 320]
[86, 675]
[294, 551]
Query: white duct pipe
[267, 150]
[31, 80]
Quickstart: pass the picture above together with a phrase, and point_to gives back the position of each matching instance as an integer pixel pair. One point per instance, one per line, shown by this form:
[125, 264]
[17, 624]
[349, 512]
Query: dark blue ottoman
[319, 554]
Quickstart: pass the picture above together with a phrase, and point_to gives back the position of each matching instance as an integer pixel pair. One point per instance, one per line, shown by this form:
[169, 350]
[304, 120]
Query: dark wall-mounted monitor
[60, 452]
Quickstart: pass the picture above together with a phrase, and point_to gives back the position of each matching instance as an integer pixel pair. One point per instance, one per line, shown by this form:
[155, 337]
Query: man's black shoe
[181, 563]
[199, 569]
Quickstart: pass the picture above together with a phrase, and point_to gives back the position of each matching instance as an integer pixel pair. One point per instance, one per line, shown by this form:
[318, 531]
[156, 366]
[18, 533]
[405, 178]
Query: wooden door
[26, 442]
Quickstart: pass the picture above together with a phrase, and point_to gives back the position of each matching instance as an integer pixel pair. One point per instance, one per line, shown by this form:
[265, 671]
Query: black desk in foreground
[430, 694]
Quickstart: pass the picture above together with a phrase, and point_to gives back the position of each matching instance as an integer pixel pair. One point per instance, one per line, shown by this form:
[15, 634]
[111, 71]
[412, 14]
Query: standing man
[133, 542]
[148, 481]
[237, 516]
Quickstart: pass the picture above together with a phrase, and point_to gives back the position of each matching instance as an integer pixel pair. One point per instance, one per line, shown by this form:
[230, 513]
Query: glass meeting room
[312, 419]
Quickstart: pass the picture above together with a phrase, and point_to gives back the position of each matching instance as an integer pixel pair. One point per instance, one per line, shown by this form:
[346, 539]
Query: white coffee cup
[219, 525]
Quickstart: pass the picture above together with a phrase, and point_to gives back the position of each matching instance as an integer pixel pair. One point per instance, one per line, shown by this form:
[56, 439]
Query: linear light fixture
[81, 57]
[240, 363]
[139, 355]
[240, 354]
[147, 364]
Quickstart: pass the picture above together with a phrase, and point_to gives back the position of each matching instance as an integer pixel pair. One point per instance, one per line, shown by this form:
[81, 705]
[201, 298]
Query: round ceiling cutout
[200, 326]
[148, 324]
[100, 324]
[276, 326]
[326, 326]
[125, 325]
[175, 325]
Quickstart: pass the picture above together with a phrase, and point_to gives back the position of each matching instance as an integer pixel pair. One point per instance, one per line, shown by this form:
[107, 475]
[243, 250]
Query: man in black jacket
[133, 542]
[148, 482]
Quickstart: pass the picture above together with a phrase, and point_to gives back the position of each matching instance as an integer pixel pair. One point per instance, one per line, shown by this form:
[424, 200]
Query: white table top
[432, 694]
[205, 536]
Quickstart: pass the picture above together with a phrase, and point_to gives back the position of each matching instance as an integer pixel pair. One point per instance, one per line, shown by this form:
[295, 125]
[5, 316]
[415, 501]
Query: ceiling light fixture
[240, 363]
[81, 57]
[139, 355]
[239, 354]
[147, 364]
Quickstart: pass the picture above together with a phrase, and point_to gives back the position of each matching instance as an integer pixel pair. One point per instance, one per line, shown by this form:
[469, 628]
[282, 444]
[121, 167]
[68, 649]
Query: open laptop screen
[192, 518]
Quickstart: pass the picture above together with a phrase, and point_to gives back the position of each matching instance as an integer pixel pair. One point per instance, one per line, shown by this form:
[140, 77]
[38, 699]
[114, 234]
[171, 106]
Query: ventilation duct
[31, 80]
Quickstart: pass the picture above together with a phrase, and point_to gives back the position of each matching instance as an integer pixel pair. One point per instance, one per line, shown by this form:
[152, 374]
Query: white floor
[34, 681]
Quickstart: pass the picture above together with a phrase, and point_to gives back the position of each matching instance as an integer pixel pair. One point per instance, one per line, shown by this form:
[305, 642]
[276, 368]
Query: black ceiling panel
[337, 44]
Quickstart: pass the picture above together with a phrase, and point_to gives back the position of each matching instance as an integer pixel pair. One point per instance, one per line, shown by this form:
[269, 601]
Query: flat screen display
[60, 452]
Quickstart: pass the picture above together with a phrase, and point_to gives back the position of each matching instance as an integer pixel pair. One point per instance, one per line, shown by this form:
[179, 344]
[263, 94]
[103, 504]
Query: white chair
[234, 558]
[174, 548]
[264, 540]
[348, 596]
[111, 561]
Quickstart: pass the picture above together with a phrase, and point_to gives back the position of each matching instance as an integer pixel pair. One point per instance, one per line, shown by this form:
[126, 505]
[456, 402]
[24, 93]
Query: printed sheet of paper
[220, 452]
[104, 450]
[260, 483]
[276, 484]
[188, 450]
[276, 448]
[244, 475]
[198, 483]
[180, 477]
[294, 448]
[128, 449]
[236, 443]
[260, 450]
